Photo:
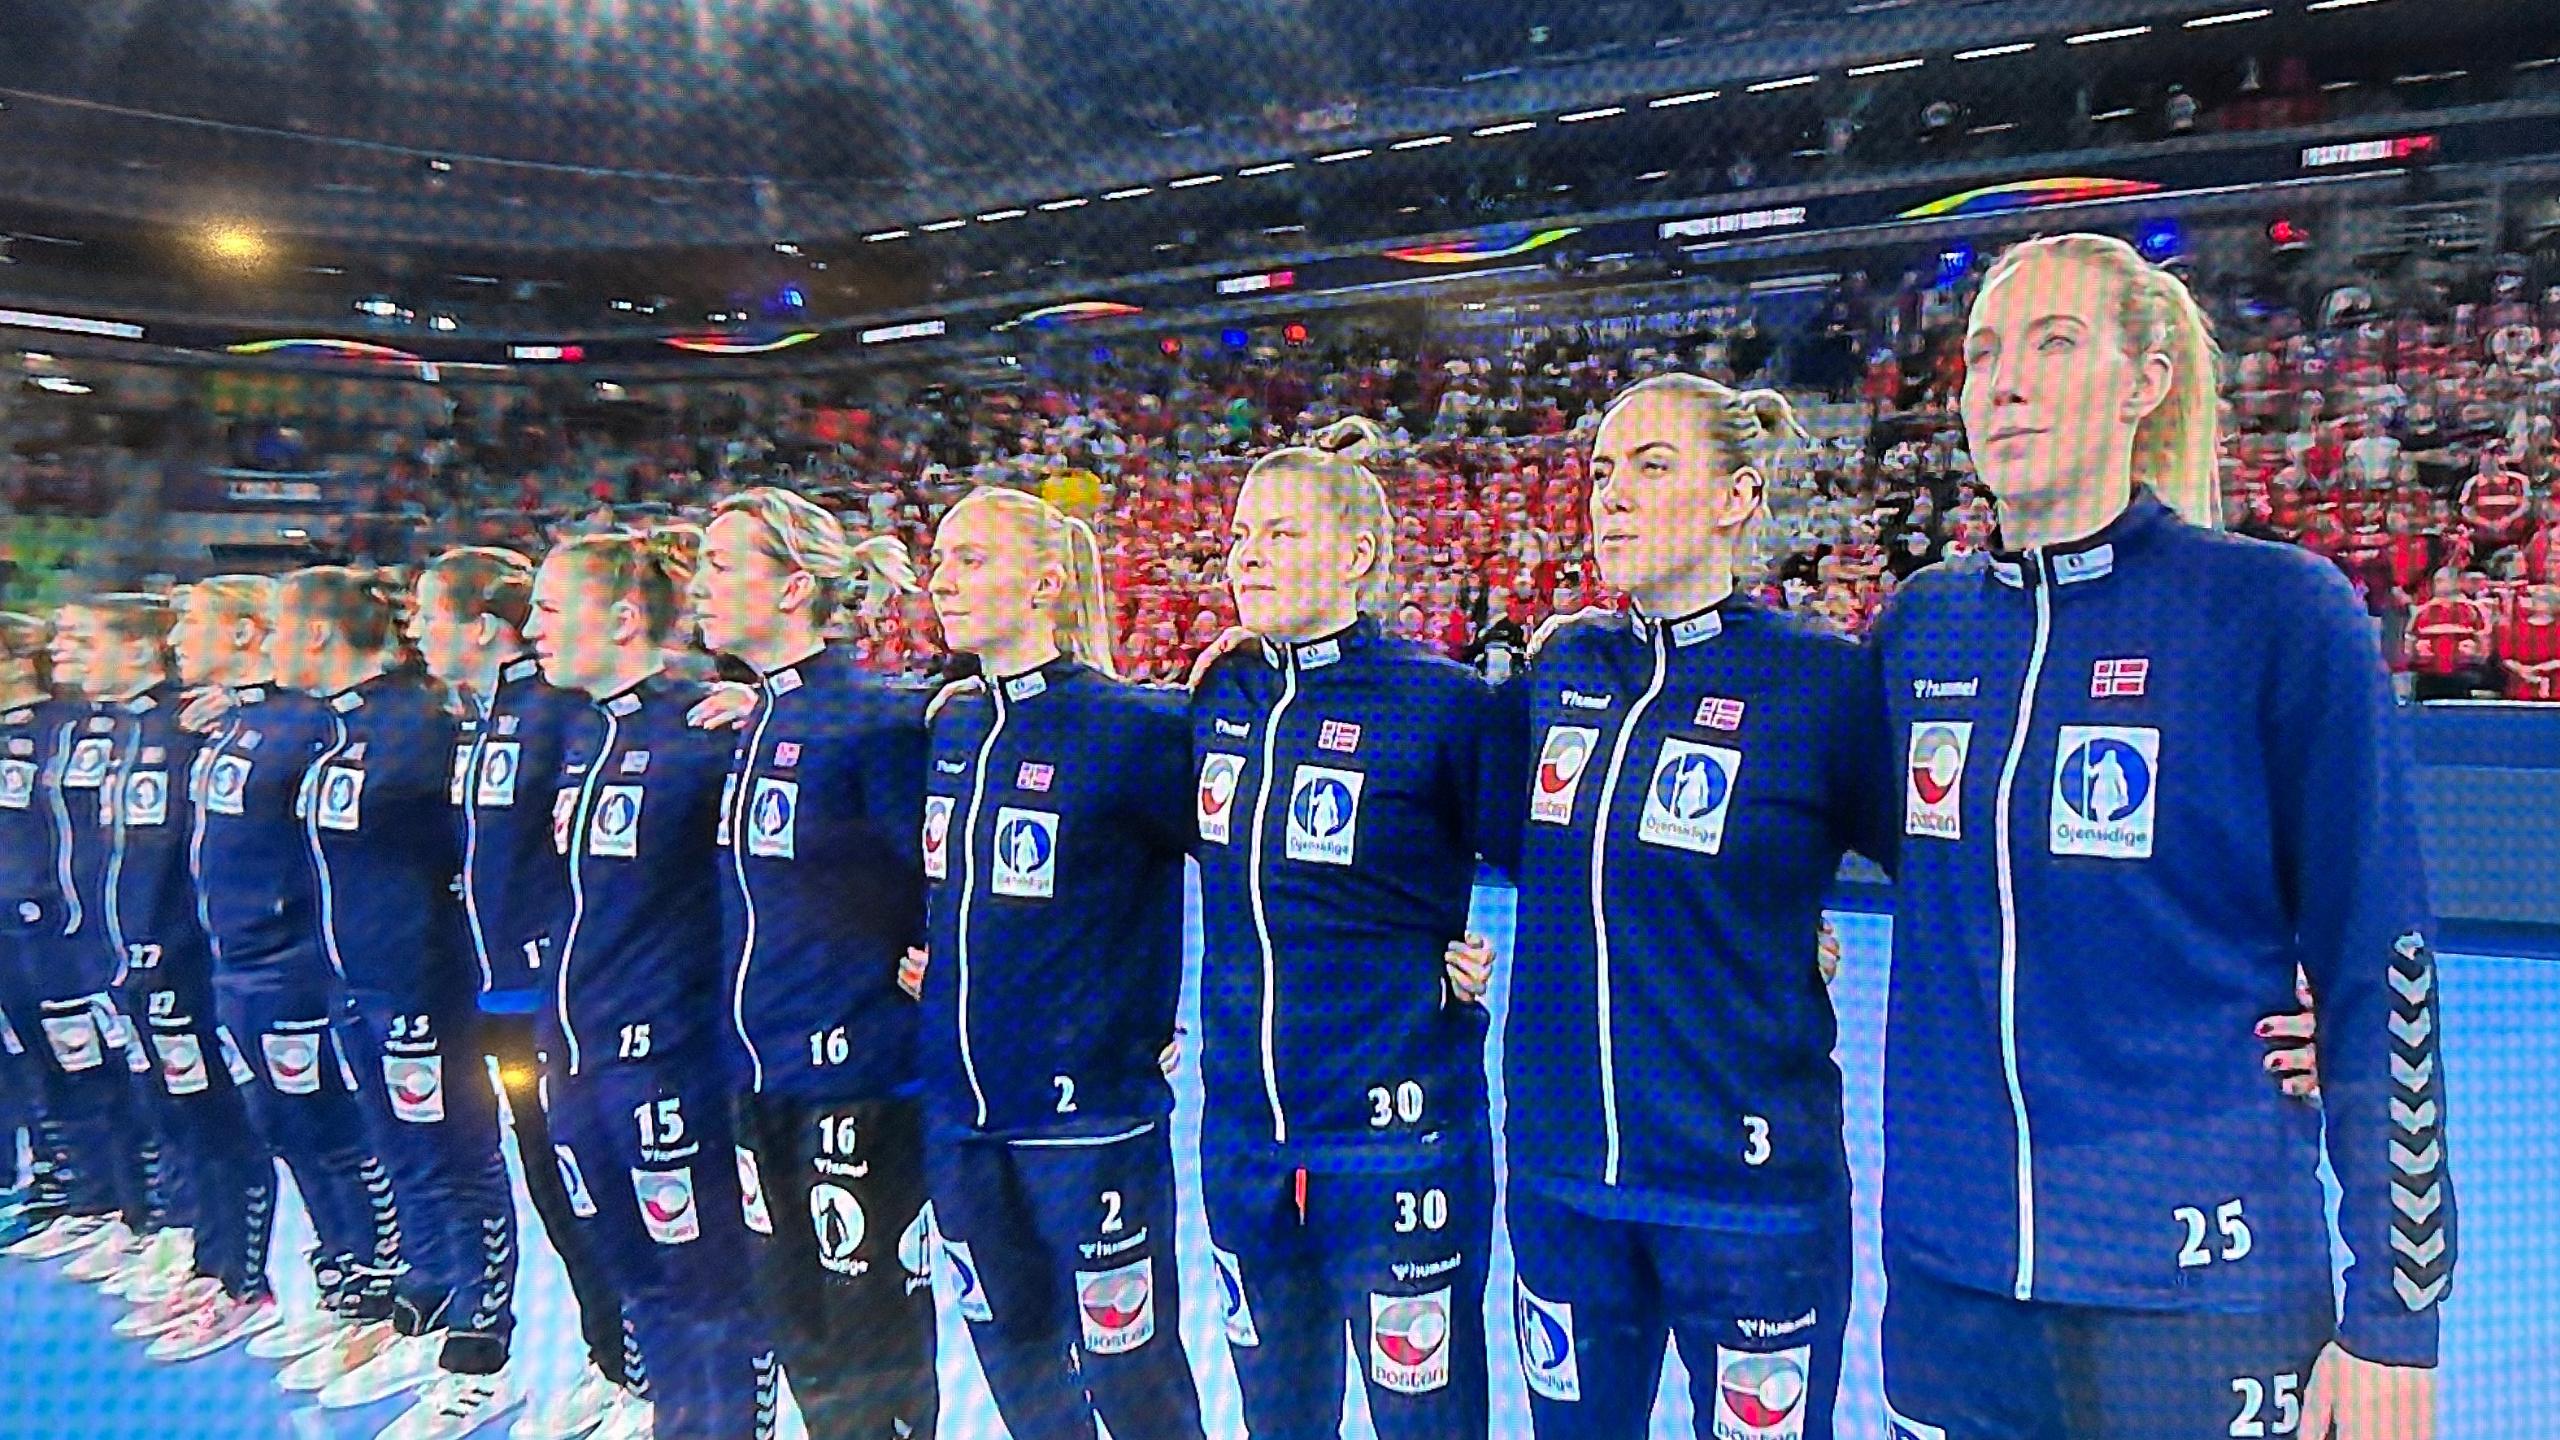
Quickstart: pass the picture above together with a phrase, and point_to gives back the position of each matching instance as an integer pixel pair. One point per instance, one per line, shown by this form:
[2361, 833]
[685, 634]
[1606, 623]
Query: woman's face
[988, 586]
[1292, 563]
[738, 590]
[74, 648]
[449, 641]
[2051, 400]
[570, 624]
[204, 640]
[1660, 495]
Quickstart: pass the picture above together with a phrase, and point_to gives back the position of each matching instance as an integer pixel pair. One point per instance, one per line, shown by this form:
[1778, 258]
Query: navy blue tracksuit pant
[433, 1118]
[1759, 1316]
[227, 1171]
[649, 1165]
[1964, 1362]
[301, 1102]
[1390, 1240]
[1062, 1250]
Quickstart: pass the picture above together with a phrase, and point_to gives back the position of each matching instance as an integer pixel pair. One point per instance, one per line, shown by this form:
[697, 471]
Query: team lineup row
[687, 922]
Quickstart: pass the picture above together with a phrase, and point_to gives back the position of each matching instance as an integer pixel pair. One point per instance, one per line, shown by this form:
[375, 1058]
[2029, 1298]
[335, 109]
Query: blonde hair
[361, 606]
[232, 597]
[2176, 448]
[1333, 459]
[1746, 429]
[26, 639]
[807, 536]
[650, 566]
[1083, 618]
[133, 615]
[483, 580]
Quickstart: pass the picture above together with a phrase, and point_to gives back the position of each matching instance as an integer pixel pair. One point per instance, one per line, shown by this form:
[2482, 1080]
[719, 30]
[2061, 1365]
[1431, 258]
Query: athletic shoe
[67, 1234]
[347, 1350]
[217, 1326]
[109, 1252]
[167, 1260]
[292, 1339]
[452, 1406]
[408, 1362]
[632, 1419]
[167, 1313]
[575, 1413]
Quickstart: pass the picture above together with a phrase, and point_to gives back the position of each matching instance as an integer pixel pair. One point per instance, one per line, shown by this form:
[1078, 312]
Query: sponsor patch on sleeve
[1933, 778]
[1562, 762]
[1219, 774]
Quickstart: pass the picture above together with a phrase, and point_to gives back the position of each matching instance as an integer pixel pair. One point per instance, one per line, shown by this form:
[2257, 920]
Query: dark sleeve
[1503, 760]
[1866, 784]
[2346, 841]
[891, 755]
[410, 754]
[1159, 764]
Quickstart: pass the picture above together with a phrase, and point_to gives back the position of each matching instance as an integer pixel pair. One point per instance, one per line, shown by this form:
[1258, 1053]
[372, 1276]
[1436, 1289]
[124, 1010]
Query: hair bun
[1353, 437]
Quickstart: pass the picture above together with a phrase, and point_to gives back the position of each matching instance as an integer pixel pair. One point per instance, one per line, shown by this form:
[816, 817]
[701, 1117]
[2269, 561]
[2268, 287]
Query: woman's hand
[1170, 1055]
[2358, 1399]
[911, 972]
[952, 690]
[1469, 966]
[725, 708]
[1219, 649]
[205, 707]
[2293, 1054]
[1827, 951]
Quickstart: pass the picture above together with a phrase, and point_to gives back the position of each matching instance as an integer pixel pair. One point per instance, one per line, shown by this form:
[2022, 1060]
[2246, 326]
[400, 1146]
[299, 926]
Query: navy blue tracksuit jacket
[2147, 775]
[514, 877]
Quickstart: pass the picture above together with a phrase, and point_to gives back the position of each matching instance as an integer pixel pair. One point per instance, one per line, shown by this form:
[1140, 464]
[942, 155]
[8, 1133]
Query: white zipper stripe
[1600, 910]
[1079, 1142]
[318, 774]
[199, 787]
[64, 738]
[969, 890]
[471, 844]
[1261, 919]
[737, 818]
[577, 879]
[115, 852]
[2024, 1286]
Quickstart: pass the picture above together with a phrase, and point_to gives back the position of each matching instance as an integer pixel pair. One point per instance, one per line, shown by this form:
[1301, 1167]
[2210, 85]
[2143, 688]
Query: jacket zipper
[577, 879]
[969, 889]
[740, 807]
[1600, 910]
[2024, 1284]
[116, 841]
[1261, 918]
[319, 780]
[471, 845]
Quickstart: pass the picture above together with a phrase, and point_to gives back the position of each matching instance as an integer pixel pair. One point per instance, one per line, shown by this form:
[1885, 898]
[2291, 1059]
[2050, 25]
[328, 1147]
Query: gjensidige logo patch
[2106, 791]
[1690, 796]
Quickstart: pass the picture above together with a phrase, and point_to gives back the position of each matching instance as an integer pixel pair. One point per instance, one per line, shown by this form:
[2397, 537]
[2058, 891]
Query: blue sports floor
[63, 1375]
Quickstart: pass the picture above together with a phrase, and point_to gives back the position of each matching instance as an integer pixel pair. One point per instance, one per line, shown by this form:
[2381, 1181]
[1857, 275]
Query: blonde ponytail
[1333, 460]
[2177, 447]
[1082, 621]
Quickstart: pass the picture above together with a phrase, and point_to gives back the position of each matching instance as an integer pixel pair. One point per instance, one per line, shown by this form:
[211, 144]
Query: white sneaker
[348, 1348]
[66, 1234]
[575, 1413]
[632, 1419]
[163, 1315]
[292, 1339]
[167, 1261]
[110, 1251]
[452, 1406]
[408, 1362]
[216, 1326]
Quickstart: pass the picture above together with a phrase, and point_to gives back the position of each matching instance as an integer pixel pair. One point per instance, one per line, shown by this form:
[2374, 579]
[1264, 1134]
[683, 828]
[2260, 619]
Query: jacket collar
[1037, 681]
[791, 677]
[1695, 628]
[2139, 525]
[1327, 650]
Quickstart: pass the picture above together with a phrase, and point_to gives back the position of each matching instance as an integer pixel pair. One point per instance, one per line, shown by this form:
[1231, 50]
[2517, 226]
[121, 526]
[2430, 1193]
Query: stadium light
[2338, 4]
[1507, 127]
[1131, 193]
[1762, 87]
[1274, 168]
[1069, 204]
[1885, 67]
[992, 216]
[1189, 181]
[876, 236]
[1420, 142]
[2228, 17]
[1665, 102]
[1575, 117]
[233, 243]
[1341, 155]
[2097, 37]
[939, 226]
[1992, 51]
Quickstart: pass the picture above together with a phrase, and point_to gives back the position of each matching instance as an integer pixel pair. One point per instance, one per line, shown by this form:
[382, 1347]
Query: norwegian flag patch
[1339, 736]
[786, 754]
[1034, 776]
[1717, 713]
[2110, 679]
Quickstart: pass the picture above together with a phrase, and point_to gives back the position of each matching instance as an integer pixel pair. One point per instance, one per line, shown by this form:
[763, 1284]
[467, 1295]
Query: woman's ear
[1745, 492]
[1365, 559]
[797, 590]
[2152, 381]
